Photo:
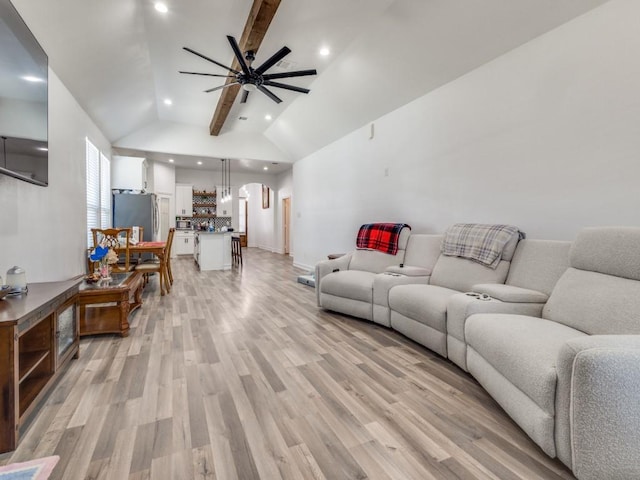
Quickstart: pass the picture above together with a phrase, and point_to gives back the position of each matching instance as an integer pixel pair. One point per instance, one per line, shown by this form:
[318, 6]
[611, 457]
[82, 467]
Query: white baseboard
[268, 248]
[308, 268]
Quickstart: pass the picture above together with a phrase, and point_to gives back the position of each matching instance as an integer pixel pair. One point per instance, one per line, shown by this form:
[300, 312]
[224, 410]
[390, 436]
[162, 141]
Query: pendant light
[225, 194]
[228, 180]
[221, 197]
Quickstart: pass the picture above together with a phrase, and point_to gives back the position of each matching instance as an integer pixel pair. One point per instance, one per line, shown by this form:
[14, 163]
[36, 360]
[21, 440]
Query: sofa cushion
[462, 306]
[608, 250]
[523, 349]
[595, 303]
[423, 251]
[423, 303]
[374, 261]
[353, 284]
[462, 274]
[538, 264]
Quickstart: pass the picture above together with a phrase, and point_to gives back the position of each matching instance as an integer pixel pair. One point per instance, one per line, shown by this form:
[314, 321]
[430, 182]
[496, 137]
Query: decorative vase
[105, 271]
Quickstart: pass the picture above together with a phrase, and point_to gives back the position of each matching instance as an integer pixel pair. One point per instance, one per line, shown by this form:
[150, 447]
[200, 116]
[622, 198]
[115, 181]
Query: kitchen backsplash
[218, 222]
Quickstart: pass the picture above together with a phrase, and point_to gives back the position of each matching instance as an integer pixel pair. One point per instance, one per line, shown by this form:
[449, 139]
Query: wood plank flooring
[238, 375]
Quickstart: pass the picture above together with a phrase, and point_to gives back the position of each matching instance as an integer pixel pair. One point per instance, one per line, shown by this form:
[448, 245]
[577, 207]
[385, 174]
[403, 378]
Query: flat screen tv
[24, 78]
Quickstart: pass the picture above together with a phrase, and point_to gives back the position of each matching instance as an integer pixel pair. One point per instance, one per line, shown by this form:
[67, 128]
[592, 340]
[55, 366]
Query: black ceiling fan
[250, 78]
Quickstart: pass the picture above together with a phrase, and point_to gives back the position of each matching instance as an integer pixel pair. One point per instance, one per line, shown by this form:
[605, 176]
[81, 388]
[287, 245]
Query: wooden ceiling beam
[260, 16]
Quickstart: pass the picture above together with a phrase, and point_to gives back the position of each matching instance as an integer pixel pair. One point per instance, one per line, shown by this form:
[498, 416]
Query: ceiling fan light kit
[251, 79]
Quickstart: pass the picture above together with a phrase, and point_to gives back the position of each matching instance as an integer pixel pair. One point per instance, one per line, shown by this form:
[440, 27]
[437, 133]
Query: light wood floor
[239, 375]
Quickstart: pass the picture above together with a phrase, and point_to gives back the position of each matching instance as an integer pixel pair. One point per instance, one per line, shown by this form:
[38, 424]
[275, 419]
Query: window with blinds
[98, 190]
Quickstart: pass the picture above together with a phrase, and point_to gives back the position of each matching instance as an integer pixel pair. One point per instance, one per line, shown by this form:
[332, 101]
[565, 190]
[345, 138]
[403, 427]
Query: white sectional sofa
[571, 378]
[556, 341]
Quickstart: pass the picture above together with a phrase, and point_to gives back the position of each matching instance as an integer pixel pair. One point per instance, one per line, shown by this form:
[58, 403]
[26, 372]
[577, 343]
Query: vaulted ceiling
[120, 59]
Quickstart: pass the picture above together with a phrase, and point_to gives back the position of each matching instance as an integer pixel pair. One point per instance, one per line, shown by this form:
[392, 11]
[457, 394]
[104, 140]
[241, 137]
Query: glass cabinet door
[66, 330]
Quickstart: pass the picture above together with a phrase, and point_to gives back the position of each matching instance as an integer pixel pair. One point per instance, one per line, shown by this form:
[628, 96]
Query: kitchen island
[212, 250]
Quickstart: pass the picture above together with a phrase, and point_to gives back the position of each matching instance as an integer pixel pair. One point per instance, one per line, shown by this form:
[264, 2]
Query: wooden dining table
[155, 248]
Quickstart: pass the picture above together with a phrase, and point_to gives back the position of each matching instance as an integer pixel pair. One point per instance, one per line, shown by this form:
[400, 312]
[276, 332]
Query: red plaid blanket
[380, 236]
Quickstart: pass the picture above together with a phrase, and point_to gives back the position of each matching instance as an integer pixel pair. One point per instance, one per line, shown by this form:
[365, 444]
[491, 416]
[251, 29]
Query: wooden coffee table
[105, 305]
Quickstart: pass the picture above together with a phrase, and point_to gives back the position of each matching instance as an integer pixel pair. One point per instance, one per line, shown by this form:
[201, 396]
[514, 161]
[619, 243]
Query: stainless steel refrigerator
[140, 209]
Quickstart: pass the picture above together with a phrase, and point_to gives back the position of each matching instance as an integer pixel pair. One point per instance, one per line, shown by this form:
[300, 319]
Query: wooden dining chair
[138, 258]
[168, 254]
[118, 240]
[160, 266]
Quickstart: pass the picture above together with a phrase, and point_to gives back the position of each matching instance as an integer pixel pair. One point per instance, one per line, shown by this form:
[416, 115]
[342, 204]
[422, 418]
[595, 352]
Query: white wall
[545, 137]
[175, 138]
[283, 189]
[261, 221]
[264, 226]
[43, 229]
[163, 182]
[207, 180]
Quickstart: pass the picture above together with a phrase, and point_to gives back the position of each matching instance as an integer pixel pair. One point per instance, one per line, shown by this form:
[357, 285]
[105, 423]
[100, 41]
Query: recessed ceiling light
[161, 7]
[30, 78]
[43, 149]
[168, 101]
[171, 160]
[324, 51]
[267, 117]
[199, 162]
[265, 168]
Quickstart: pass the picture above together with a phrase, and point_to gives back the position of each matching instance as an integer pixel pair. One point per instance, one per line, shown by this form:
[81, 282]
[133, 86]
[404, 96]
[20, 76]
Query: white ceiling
[120, 59]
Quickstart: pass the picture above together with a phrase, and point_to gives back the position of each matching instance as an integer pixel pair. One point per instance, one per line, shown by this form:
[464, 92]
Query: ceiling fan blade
[245, 95]
[275, 58]
[269, 83]
[297, 73]
[269, 94]
[208, 74]
[238, 54]
[210, 59]
[221, 87]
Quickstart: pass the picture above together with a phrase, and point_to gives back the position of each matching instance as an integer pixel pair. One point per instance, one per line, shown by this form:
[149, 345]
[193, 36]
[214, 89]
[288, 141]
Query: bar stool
[236, 251]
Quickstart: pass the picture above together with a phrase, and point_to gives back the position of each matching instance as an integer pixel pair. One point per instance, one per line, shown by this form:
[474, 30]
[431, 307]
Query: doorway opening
[243, 218]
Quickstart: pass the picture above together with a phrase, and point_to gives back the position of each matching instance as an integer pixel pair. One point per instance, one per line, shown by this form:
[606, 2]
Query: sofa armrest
[326, 267]
[602, 373]
[408, 271]
[511, 293]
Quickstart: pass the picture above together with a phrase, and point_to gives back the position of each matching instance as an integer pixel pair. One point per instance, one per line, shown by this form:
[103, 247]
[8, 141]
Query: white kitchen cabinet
[184, 200]
[225, 209]
[213, 250]
[128, 173]
[183, 242]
